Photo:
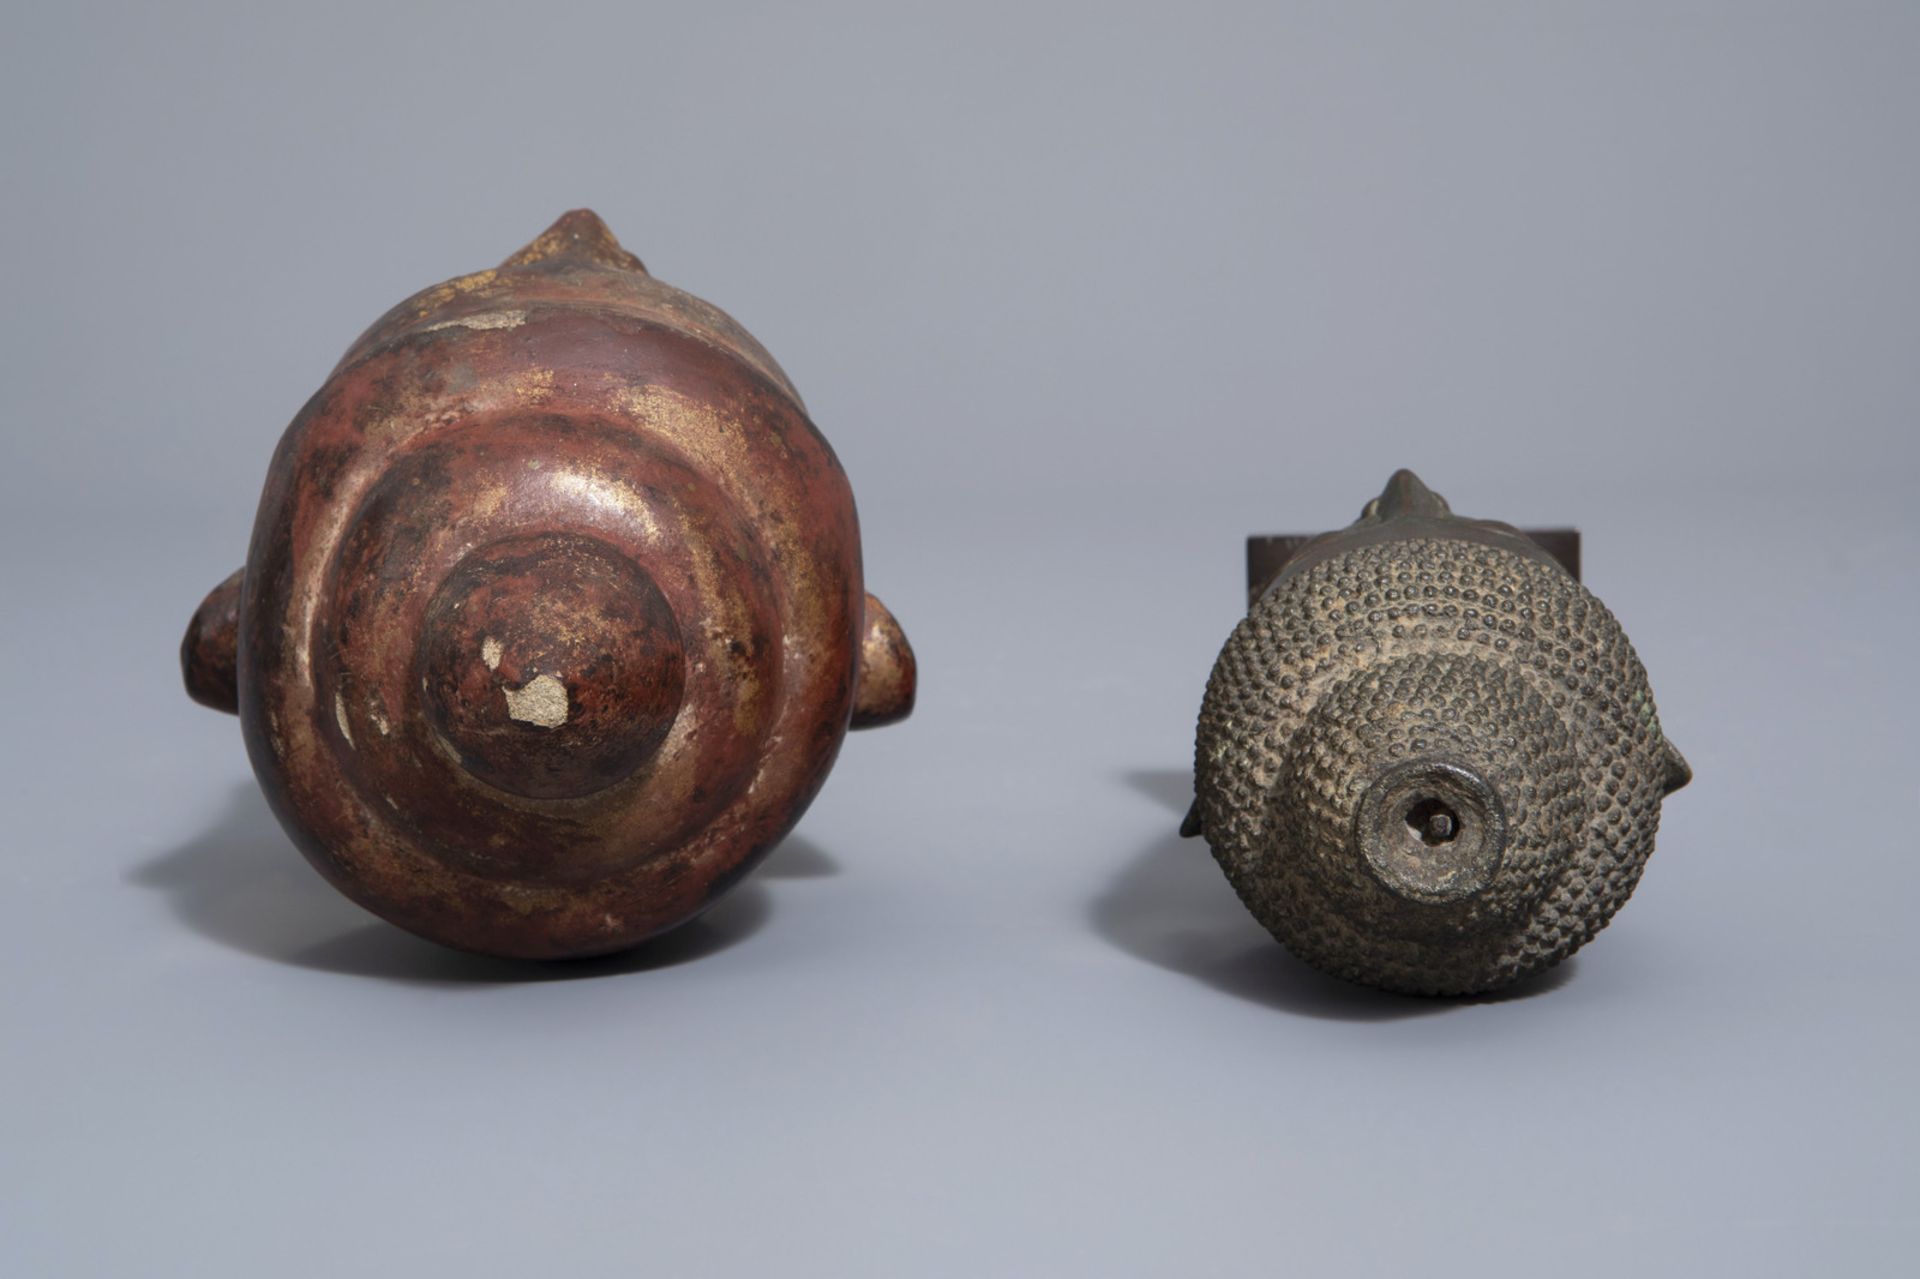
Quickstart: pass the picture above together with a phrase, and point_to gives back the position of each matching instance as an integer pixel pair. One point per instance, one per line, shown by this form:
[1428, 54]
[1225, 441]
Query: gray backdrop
[1081, 295]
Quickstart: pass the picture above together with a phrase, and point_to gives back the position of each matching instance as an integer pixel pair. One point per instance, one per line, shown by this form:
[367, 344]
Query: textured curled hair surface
[1428, 758]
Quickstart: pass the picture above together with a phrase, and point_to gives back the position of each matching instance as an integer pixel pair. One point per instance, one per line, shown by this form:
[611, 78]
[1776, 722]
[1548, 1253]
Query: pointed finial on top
[578, 233]
[1406, 495]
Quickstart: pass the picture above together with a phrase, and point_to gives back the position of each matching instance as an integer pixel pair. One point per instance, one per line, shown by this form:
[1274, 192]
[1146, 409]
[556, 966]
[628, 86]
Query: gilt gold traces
[425, 304]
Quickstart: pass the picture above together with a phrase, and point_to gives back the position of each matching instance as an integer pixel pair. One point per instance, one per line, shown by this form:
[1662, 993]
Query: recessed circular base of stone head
[1428, 759]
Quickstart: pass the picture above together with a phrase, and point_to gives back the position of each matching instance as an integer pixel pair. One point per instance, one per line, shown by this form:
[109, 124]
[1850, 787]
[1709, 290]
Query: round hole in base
[1433, 821]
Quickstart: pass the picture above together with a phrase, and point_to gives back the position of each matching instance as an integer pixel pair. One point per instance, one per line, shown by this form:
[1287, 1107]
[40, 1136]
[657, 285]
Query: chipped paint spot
[340, 717]
[490, 652]
[484, 320]
[542, 701]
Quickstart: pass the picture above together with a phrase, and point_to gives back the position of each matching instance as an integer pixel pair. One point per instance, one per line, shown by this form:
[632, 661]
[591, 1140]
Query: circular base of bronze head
[1431, 831]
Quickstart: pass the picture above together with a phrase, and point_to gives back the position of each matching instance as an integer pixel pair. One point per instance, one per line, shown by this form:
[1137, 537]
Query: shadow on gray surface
[243, 884]
[1172, 907]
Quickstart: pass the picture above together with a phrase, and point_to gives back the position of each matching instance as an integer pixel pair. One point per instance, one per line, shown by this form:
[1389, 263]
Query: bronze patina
[553, 619]
[1428, 759]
